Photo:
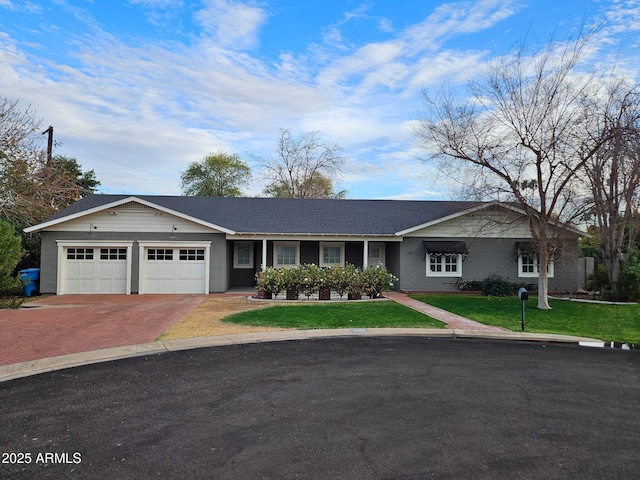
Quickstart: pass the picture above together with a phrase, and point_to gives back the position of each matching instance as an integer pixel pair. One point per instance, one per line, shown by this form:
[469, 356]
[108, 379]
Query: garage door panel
[87, 274]
[174, 270]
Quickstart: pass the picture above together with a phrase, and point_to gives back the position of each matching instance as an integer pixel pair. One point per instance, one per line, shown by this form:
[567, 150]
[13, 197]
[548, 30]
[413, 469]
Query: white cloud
[138, 113]
[232, 24]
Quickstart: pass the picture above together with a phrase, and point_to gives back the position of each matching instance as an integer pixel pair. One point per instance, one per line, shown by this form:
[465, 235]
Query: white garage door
[174, 270]
[95, 270]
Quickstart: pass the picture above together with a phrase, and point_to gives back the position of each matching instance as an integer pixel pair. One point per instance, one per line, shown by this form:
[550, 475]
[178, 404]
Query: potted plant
[325, 283]
[353, 277]
[291, 282]
[336, 280]
[310, 275]
[375, 279]
[266, 280]
[276, 282]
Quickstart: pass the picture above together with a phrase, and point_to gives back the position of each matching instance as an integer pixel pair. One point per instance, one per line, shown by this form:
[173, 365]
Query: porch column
[263, 266]
[365, 254]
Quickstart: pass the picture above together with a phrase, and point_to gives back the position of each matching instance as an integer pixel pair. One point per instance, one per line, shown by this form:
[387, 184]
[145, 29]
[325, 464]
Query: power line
[121, 148]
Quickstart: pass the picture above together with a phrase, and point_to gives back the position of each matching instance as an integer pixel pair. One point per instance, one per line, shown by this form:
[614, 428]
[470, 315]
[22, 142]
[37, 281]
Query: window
[529, 266]
[160, 254]
[192, 254]
[113, 254]
[242, 255]
[444, 265]
[79, 253]
[286, 254]
[331, 254]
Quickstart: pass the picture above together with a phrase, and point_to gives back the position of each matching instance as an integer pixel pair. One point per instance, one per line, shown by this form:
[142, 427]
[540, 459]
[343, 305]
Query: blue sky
[137, 89]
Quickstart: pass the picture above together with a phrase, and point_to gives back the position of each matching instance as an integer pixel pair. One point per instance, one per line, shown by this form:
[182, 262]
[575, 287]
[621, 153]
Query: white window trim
[285, 244]
[550, 268]
[321, 261]
[236, 245]
[455, 274]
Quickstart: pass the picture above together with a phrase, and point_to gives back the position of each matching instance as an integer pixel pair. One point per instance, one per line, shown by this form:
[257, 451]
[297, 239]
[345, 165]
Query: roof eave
[83, 213]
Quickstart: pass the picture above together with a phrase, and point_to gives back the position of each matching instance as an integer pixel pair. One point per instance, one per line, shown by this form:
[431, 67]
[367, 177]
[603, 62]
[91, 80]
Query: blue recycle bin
[32, 278]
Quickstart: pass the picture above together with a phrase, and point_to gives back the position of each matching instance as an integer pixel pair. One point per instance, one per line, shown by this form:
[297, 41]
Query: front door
[376, 254]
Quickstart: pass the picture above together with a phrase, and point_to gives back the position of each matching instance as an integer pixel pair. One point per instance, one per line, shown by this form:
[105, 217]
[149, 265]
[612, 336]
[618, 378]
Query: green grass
[620, 323]
[336, 315]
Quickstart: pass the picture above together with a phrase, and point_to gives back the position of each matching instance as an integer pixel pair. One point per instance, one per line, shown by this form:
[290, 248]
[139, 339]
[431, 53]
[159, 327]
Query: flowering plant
[375, 279]
[270, 280]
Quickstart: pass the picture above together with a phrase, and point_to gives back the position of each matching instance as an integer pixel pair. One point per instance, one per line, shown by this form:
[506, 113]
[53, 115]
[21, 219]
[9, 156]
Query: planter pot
[263, 294]
[292, 294]
[324, 293]
[355, 296]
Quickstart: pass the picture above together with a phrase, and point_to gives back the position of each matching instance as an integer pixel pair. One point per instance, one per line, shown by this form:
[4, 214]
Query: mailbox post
[523, 295]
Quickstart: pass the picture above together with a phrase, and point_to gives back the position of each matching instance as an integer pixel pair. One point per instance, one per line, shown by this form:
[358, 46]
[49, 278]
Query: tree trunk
[611, 260]
[543, 264]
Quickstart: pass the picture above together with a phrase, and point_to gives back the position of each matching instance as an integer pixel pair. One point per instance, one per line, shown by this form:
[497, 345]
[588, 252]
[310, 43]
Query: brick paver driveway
[60, 325]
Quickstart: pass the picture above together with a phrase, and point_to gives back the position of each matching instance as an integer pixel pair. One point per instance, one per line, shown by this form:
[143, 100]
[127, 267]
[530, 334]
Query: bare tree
[31, 188]
[302, 167]
[529, 126]
[613, 177]
[20, 149]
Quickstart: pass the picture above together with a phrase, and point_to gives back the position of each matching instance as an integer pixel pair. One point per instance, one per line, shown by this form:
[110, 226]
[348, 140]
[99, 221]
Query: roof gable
[81, 209]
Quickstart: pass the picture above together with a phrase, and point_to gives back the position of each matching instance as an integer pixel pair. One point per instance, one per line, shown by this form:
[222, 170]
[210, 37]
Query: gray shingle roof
[287, 215]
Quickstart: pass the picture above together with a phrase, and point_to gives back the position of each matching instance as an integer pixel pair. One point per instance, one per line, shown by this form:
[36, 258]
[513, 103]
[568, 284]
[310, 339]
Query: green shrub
[270, 280]
[11, 302]
[376, 279]
[338, 279]
[309, 278]
[493, 286]
[10, 254]
[629, 281]
[598, 280]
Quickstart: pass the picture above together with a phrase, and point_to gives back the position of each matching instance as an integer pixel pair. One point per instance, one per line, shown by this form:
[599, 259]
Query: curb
[44, 365]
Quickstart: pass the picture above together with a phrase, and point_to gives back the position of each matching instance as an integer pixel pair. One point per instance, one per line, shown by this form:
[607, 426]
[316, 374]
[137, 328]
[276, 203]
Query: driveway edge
[44, 365]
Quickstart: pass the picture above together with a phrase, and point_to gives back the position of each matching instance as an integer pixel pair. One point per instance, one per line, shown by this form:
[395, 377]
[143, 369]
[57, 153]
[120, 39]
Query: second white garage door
[168, 269]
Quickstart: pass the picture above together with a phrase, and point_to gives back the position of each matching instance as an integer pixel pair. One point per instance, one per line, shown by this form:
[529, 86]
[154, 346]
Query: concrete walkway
[451, 319]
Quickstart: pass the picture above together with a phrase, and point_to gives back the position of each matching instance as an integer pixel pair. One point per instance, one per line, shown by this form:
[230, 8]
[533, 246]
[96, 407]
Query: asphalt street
[336, 408]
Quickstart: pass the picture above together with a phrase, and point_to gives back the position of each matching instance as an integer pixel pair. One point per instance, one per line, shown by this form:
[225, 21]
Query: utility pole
[49, 144]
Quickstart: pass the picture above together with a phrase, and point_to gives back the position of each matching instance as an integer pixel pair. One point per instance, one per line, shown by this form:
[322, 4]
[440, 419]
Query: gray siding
[218, 279]
[49, 261]
[486, 257]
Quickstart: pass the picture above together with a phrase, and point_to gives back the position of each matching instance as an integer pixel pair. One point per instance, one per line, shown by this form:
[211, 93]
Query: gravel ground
[206, 319]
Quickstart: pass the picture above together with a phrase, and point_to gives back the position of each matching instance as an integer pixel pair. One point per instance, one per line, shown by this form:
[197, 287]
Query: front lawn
[336, 315]
[620, 323]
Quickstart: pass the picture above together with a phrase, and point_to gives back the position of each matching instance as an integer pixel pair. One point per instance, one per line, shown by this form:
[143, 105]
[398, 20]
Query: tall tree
[529, 125]
[20, 148]
[10, 254]
[318, 186]
[216, 175]
[303, 167]
[31, 188]
[79, 183]
[613, 177]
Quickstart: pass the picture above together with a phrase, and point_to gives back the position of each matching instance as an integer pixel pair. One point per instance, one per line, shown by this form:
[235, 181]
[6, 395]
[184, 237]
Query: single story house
[175, 244]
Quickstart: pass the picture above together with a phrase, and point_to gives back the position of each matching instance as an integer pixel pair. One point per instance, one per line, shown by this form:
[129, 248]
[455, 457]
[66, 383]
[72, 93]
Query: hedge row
[309, 279]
